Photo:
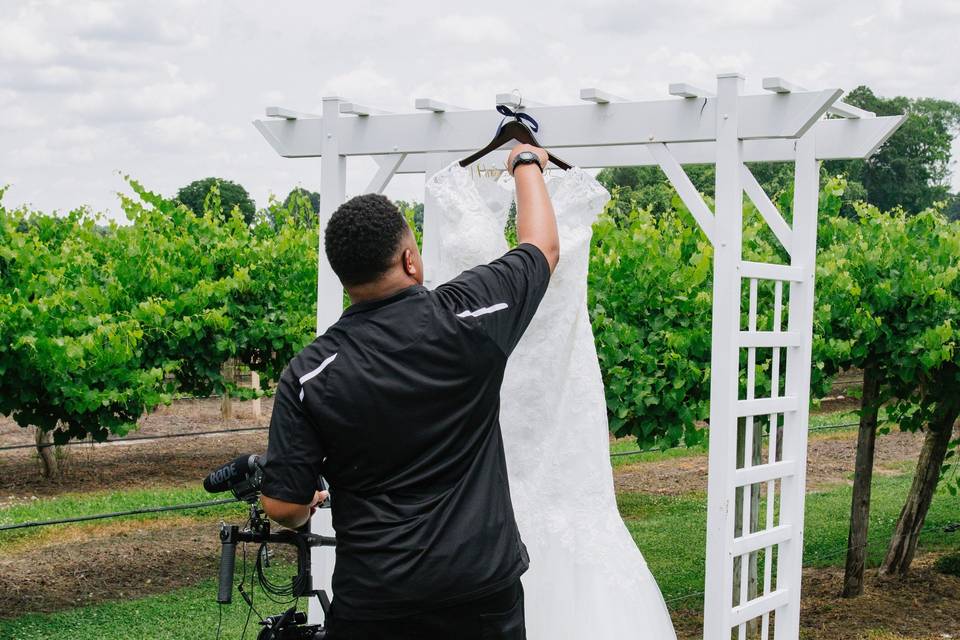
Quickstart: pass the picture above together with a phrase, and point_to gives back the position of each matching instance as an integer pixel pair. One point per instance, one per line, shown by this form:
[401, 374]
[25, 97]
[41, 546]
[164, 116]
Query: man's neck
[381, 288]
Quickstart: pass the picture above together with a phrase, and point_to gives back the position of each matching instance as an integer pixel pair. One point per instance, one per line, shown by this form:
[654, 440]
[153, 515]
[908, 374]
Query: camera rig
[243, 477]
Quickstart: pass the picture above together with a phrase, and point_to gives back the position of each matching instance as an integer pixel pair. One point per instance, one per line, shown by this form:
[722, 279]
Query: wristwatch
[525, 157]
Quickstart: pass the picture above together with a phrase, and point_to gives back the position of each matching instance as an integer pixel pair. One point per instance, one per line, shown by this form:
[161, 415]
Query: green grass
[651, 456]
[72, 505]
[182, 614]
[834, 417]
[671, 530]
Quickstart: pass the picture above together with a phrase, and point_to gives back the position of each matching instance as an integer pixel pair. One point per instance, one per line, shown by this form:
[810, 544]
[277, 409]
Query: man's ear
[409, 266]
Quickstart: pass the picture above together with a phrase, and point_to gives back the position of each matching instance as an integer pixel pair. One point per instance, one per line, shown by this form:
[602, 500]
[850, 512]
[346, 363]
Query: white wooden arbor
[727, 128]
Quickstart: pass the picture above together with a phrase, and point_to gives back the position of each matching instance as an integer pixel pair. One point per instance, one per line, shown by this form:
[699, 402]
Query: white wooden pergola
[728, 129]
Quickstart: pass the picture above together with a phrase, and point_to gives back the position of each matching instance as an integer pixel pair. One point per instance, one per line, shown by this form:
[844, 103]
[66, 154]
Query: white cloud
[363, 83]
[474, 29]
[23, 39]
[165, 89]
[79, 134]
[19, 118]
[141, 103]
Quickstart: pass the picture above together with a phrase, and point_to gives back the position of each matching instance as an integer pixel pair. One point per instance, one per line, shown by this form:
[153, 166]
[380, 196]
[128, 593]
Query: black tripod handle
[228, 557]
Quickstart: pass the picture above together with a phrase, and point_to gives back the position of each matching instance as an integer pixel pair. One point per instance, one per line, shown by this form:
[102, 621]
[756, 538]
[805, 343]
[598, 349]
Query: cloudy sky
[166, 90]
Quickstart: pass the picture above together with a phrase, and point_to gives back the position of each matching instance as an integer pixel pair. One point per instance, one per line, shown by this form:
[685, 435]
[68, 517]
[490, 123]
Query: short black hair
[362, 238]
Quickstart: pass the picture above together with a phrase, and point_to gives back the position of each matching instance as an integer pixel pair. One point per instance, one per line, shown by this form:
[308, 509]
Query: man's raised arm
[536, 223]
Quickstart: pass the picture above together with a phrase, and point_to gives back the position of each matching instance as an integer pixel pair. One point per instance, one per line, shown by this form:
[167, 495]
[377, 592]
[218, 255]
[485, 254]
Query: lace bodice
[473, 213]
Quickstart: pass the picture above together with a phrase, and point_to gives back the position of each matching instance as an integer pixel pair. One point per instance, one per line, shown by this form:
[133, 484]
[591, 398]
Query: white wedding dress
[587, 579]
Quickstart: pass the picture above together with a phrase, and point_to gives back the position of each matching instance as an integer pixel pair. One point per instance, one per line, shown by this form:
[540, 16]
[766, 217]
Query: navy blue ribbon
[519, 116]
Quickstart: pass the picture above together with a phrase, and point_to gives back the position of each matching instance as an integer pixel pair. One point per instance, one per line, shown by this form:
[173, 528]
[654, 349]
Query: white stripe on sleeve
[500, 306]
[313, 374]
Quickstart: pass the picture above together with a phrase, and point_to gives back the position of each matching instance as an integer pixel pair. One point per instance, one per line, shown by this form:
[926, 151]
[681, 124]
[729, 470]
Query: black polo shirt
[397, 405]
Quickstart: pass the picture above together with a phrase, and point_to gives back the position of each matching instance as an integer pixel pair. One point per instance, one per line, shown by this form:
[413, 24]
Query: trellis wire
[116, 514]
[191, 434]
[131, 438]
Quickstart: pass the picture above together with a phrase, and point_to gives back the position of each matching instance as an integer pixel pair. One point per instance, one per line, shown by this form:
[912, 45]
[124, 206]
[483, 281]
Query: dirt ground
[183, 416]
[922, 606]
[121, 559]
[187, 460]
[139, 464]
[829, 461]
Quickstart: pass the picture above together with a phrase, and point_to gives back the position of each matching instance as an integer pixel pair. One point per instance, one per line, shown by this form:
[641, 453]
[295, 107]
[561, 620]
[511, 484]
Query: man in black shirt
[397, 406]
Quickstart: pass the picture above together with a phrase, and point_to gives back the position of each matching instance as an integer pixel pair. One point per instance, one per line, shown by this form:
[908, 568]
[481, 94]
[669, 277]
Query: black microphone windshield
[235, 471]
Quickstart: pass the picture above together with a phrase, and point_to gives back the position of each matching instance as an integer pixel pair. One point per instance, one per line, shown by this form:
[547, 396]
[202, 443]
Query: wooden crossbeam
[842, 109]
[515, 100]
[281, 112]
[763, 473]
[352, 108]
[769, 271]
[598, 96]
[760, 539]
[684, 90]
[429, 104]
[764, 406]
[768, 339]
[758, 606]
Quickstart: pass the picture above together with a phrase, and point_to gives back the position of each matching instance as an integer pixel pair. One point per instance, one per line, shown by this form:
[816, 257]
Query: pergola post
[797, 383]
[333, 176]
[724, 363]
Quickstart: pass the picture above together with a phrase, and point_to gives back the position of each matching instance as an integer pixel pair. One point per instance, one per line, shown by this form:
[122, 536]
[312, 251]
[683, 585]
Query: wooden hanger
[513, 130]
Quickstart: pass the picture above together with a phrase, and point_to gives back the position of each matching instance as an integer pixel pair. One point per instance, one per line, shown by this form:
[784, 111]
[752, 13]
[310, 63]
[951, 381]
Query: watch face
[526, 157]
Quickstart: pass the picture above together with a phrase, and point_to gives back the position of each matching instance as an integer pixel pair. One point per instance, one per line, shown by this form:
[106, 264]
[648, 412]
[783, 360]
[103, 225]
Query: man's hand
[319, 497]
[520, 148]
[290, 514]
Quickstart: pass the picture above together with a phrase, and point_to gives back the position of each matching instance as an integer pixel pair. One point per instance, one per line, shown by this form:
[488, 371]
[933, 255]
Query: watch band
[525, 157]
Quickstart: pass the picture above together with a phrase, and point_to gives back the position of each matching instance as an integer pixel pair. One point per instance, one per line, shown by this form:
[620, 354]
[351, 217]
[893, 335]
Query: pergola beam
[842, 109]
[623, 123]
[835, 140]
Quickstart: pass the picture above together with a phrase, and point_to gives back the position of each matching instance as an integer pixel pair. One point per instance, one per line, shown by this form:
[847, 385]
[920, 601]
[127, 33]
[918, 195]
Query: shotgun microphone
[232, 474]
